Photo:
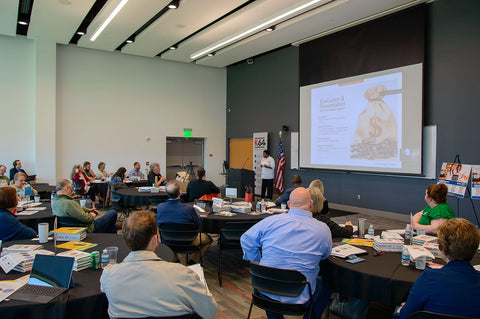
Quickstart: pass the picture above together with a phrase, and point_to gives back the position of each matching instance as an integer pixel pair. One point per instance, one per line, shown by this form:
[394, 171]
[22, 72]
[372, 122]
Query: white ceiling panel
[8, 17]
[57, 20]
[240, 20]
[177, 24]
[132, 16]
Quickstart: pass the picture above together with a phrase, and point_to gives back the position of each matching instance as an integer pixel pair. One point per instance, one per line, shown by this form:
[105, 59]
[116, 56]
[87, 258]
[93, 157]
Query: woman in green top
[437, 210]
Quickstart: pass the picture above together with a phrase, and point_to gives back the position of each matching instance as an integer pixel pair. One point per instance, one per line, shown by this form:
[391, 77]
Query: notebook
[50, 277]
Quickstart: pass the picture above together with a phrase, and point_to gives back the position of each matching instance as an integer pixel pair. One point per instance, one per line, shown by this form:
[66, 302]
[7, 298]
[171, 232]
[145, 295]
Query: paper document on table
[198, 208]
[477, 267]
[198, 269]
[355, 227]
[8, 287]
[345, 250]
[36, 208]
[27, 212]
[34, 204]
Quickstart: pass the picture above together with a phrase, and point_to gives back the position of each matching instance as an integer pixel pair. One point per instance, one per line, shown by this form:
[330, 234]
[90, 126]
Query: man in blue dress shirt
[296, 241]
[174, 210]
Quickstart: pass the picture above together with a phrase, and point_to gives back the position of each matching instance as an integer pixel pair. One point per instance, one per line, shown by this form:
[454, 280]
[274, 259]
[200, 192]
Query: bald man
[296, 241]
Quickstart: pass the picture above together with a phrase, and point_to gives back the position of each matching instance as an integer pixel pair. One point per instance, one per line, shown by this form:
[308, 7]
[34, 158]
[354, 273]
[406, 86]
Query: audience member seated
[136, 171]
[10, 227]
[455, 288]
[318, 184]
[154, 176]
[144, 285]
[296, 182]
[4, 180]
[317, 207]
[118, 182]
[102, 173]
[20, 184]
[175, 211]
[296, 241]
[17, 168]
[198, 187]
[87, 169]
[64, 206]
[81, 183]
[437, 210]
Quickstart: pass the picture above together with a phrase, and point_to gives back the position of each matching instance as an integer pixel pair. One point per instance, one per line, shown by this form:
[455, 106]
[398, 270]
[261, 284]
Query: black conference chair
[281, 282]
[423, 314]
[230, 240]
[179, 237]
[186, 316]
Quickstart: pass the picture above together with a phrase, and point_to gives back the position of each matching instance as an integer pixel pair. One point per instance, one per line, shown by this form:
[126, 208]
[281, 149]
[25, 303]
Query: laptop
[50, 277]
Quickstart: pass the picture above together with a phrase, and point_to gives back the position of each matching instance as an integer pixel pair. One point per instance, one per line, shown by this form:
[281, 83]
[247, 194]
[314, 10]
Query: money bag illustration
[376, 133]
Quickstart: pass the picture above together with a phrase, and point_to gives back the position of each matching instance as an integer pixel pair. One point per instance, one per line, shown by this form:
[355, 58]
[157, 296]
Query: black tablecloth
[131, 197]
[213, 223]
[44, 190]
[139, 183]
[85, 300]
[379, 278]
[100, 188]
[43, 216]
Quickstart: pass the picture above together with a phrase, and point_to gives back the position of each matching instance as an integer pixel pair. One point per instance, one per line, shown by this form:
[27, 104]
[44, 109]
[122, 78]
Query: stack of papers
[358, 242]
[82, 259]
[417, 251]
[420, 240]
[345, 250]
[21, 261]
[391, 245]
[241, 207]
[20, 249]
[391, 235]
[71, 233]
[433, 248]
[145, 189]
[77, 245]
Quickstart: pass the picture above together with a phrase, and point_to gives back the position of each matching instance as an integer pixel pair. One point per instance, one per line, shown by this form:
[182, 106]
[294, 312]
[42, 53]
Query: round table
[212, 223]
[379, 278]
[42, 216]
[131, 197]
[44, 190]
[140, 183]
[85, 300]
[100, 187]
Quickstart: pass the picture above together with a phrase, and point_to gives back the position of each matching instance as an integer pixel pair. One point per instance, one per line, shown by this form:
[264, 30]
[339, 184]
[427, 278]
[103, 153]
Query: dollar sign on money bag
[377, 130]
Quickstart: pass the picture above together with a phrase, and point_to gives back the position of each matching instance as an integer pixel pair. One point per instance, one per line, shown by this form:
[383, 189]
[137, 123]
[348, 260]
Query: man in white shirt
[144, 285]
[268, 167]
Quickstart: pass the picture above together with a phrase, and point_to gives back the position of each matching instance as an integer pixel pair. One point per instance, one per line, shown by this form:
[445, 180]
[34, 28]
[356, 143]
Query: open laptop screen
[51, 271]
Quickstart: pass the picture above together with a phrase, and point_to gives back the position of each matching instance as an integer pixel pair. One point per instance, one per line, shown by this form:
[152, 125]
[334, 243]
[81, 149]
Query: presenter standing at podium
[268, 167]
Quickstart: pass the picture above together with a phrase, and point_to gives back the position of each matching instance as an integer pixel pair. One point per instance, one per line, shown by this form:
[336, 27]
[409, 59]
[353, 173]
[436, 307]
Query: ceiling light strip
[254, 29]
[108, 20]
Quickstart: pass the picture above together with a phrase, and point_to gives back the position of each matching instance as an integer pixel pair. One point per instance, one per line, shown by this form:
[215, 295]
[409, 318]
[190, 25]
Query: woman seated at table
[20, 184]
[437, 210]
[87, 168]
[102, 173]
[317, 209]
[119, 176]
[118, 182]
[455, 288]
[318, 184]
[10, 227]
[81, 183]
[199, 187]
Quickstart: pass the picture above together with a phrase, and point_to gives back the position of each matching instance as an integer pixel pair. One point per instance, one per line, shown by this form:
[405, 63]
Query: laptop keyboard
[39, 290]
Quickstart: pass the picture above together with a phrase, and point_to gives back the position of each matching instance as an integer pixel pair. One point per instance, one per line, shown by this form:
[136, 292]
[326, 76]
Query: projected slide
[358, 123]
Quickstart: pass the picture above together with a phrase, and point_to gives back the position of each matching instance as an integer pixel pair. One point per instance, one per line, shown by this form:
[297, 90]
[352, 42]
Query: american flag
[280, 168]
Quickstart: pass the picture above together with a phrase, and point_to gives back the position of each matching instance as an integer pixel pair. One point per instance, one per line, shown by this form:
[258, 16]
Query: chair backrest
[186, 316]
[178, 234]
[276, 281]
[70, 222]
[423, 314]
[232, 231]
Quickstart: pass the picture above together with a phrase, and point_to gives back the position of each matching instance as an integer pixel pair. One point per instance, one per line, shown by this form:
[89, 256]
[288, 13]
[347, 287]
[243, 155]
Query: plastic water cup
[43, 233]
[37, 199]
[420, 262]
[420, 232]
[113, 252]
[284, 206]
[361, 227]
[83, 202]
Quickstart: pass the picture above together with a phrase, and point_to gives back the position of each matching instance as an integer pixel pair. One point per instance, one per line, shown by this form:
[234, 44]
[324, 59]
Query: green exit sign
[187, 133]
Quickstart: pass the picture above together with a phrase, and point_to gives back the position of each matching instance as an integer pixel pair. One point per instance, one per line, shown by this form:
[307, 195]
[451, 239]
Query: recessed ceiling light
[174, 4]
[211, 54]
[270, 29]
[173, 47]
[23, 22]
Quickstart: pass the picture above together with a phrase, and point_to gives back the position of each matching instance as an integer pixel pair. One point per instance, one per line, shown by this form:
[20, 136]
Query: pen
[346, 219]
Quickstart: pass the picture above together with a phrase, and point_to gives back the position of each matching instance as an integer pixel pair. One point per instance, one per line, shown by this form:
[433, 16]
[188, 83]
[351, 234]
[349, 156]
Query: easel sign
[476, 181]
[455, 176]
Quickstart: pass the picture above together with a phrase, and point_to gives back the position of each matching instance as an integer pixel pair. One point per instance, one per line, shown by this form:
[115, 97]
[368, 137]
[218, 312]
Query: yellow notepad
[78, 245]
[358, 242]
[71, 230]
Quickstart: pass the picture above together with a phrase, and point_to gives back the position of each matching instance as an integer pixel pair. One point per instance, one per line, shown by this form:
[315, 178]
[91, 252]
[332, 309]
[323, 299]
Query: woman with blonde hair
[316, 183]
[453, 289]
[20, 183]
[317, 208]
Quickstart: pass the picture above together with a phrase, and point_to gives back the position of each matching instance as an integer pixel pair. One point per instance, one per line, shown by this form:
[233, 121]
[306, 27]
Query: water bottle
[371, 231]
[408, 234]
[264, 206]
[105, 259]
[258, 208]
[405, 257]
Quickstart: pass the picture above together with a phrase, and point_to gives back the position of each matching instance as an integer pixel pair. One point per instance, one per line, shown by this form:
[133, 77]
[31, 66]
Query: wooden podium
[239, 178]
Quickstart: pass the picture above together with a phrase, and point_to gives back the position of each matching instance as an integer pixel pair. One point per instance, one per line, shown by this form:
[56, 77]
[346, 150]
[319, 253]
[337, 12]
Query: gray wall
[263, 96]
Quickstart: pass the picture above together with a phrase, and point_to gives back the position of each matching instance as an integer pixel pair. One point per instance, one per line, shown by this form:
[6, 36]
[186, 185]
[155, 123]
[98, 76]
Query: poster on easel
[476, 181]
[455, 176]
[260, 143]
